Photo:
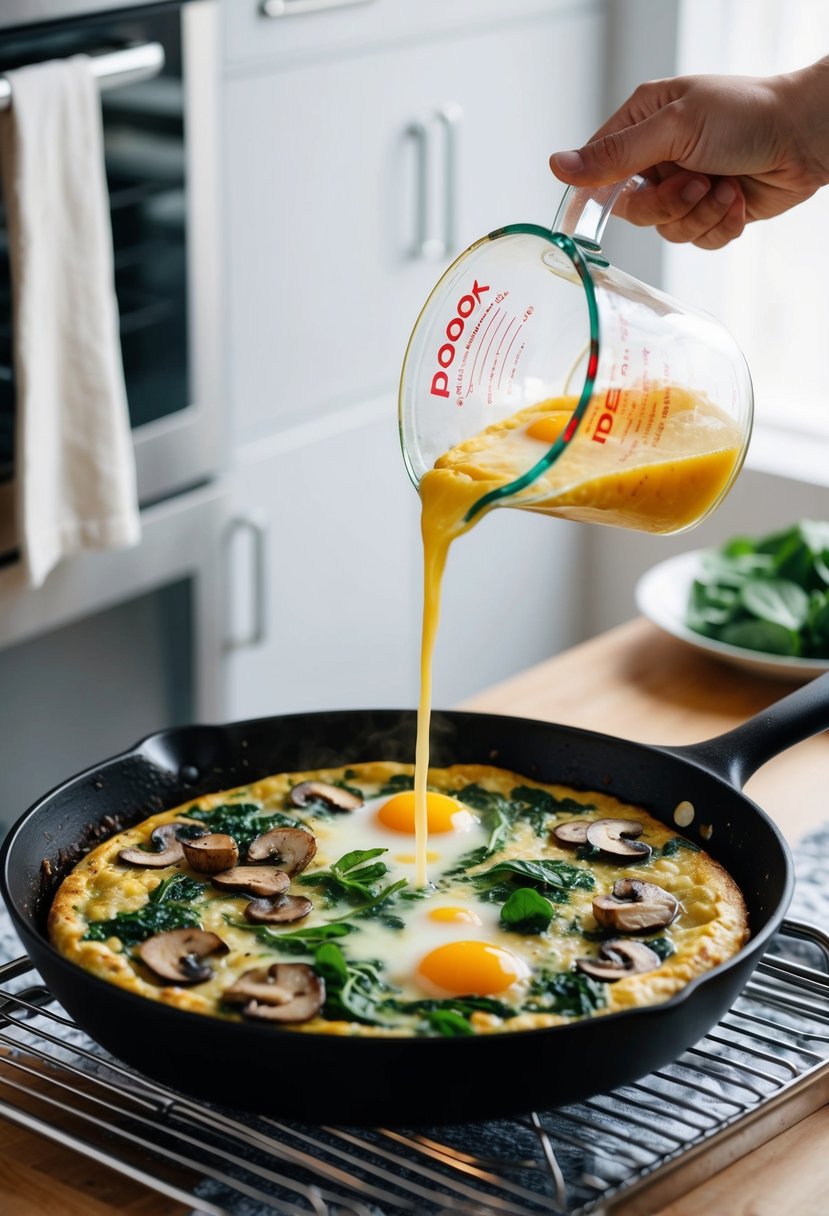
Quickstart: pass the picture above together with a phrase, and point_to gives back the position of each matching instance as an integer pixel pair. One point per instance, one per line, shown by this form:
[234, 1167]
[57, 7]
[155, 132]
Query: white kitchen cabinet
[339, 611]
[322, 195]
[341, 579]
[294, 29]
[334, 238]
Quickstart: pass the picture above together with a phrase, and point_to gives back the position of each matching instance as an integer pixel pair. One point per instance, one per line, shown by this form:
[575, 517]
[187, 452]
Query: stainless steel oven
[156, 69]
[117, 644]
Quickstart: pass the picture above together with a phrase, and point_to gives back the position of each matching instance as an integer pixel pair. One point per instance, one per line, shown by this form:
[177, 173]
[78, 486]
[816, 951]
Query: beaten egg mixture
[505, 937]
[658, 487]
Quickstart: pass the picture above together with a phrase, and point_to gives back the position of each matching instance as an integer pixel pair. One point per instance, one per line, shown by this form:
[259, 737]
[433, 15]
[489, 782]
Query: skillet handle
[738, 753]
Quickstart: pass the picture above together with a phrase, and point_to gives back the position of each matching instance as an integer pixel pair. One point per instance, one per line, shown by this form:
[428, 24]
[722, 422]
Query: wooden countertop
[637, 683]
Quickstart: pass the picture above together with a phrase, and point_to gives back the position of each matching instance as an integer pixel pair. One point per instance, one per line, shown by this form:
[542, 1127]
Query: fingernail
[569, 162]
[694, 191]
[725, 193]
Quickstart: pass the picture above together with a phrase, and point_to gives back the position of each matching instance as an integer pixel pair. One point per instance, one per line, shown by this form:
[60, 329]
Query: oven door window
[146, 163]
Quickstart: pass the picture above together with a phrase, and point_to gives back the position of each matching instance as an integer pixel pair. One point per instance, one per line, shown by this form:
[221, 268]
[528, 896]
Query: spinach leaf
[671, 847]
[168, 907]
[496, 818]
[242, 820]
[776, 600]
[818, 638]
[498, 815]
[539, 806]
[663, 946]
[374, 906]
[351, 877]
[536, 806]
[566, 992]
[177, 888]
[190, 831]
[766, 636]
[294, 941]
[467, 861]
[767, 594]
[450, 1017]
[354, 991]
[555, 879]
[587, 852]
[526, 911]
[450, 1024]
[397, 784]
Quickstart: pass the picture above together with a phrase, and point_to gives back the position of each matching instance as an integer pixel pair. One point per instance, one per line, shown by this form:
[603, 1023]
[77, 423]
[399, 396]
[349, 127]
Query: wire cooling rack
[763, 1067]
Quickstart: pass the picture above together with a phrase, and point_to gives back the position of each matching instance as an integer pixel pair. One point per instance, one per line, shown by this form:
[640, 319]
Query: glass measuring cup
[563, 385]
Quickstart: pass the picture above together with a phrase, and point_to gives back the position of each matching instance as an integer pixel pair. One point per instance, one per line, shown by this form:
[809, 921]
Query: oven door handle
[113, 69]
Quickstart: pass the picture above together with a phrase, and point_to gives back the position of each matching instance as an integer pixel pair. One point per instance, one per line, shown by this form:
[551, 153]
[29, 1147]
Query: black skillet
[321, 1078]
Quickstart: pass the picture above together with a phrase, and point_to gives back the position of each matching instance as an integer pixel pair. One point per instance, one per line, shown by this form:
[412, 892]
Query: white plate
[662, 596]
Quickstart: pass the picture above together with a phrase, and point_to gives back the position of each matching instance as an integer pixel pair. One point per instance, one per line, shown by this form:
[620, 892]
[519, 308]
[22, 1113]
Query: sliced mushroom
[177, 954]
[619, 958]
[279, 910]
[334, 796]
[254, 880]
[170, 849]
[571, 834]
[212, 853]
[283, 992]
[635, 906]
[291, 848]
[612, 837]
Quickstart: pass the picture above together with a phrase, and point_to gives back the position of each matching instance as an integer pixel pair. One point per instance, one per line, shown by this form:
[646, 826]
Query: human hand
[718, 151]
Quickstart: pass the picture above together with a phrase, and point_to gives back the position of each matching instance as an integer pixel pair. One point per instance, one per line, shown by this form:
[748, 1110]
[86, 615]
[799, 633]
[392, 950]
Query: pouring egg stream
[654, 487]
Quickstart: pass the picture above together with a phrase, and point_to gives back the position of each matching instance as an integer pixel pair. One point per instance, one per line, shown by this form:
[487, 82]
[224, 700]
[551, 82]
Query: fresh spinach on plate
[769, 594]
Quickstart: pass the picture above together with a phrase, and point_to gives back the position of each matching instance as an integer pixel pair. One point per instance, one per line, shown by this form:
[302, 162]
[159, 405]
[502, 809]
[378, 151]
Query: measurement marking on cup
[481, 345]
[509, 348]
[504, 336]
[489, 348]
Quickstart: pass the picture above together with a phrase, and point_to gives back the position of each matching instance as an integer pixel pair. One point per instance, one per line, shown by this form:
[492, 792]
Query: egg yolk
[549, 427]
[454, 916]
[472, 968]
[444, 814]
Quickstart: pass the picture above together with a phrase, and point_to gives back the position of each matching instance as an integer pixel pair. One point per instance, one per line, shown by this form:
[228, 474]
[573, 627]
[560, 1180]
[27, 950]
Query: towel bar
[113, 69]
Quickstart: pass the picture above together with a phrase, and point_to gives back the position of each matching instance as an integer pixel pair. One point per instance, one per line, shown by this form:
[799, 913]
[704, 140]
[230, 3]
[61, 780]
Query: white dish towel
[74, 463]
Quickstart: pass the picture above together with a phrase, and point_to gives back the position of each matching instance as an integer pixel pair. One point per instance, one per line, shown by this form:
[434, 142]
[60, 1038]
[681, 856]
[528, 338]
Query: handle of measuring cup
[584, 210]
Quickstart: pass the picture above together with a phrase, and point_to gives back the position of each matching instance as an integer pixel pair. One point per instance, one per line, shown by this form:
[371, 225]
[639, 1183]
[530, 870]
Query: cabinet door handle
[294, 8]
[425, 247]
[257, 534]
[429, 245]
[450, 117]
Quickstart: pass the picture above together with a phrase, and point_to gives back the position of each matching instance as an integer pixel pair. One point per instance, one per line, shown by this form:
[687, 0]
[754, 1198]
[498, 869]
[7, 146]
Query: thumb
[618, 154]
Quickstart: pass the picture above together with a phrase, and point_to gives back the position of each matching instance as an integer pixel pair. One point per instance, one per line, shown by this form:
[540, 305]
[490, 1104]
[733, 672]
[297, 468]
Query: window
[770, 286]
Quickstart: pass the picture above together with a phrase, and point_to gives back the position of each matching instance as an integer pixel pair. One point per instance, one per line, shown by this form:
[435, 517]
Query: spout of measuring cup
[584, 210]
